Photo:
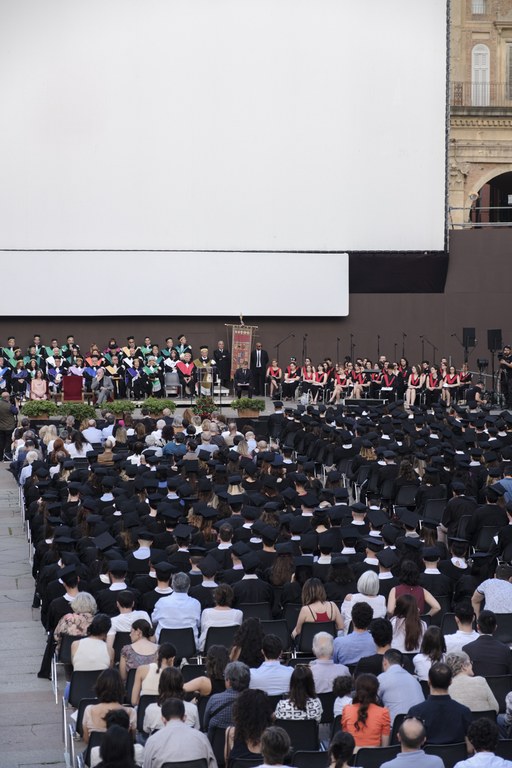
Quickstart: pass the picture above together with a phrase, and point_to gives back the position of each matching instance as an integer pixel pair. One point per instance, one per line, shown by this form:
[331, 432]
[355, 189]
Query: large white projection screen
[276, 125]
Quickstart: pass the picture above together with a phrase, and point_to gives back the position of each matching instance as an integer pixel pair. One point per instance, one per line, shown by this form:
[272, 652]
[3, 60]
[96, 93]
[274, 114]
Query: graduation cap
[118, 567]
[373, 542]
[164, 570]
[208, 566]
[408, 517]
[431, 554]
[67, 571]
[359, 508]
[250, 561]
[349, 532]
[413, 542]
[183, 531]
[309, 500]
[208, 513]
[196, 551]
[387, 558]
[302, 560]
[340, 560]
[285, 548]
[104, 541]
[270, 533]
[299, 524]
[390, 533]
[376, 517]
[250, 513]
[240, 549]
[146, 535]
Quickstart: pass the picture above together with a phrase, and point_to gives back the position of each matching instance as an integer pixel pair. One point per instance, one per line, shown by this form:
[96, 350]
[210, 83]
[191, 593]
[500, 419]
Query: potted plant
[204, 406]
[155, 405]
[120, 407]
[39, 409]
[248, 407]
[80, 411]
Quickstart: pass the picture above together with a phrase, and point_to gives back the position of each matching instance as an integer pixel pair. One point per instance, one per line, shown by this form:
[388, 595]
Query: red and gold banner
[241, 345]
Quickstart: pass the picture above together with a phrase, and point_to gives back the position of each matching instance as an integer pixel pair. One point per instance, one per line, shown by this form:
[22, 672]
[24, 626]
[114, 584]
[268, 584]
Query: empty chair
[310, 759]
[500, 685]
[503, 631]
[373, 757]
[220, 636]
[406, 496]
[449, 753]
[310, 629]
[291, 614]
[182, 639]
[187, 764]
[279, 628]
[121, 639]
[261, 611]
[434, 509]
[143, 704]
[303, 734]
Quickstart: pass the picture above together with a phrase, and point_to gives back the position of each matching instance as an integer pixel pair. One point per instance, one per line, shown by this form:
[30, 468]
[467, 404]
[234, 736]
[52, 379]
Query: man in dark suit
[222, 357]
[276, 420]
[259, 365]
[488, 656]
[243, 381]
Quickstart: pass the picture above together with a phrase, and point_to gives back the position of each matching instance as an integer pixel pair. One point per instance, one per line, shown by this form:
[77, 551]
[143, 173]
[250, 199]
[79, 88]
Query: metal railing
[480, 216]
[480, 95]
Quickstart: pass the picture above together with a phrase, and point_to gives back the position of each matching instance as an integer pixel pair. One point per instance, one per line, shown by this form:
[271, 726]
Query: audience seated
[446, 721]
[177, 742]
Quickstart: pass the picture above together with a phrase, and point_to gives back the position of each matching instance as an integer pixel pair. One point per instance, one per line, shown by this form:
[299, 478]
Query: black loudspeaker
[468, 337]
[494, 341]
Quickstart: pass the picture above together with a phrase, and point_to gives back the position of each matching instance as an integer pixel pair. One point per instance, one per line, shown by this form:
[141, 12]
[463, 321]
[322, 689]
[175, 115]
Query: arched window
[480, 76]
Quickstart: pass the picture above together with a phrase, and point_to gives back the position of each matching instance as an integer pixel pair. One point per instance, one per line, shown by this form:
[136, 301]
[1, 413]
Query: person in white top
[496, 592]
[92, 434]
[123, 622]
[464, 615]
[222, 615]
[367, 592]
[91, 653]
[483, 735]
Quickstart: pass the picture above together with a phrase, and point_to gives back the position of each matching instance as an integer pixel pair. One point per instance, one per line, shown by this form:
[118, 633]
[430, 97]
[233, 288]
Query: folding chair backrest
[291, 614]
[143, 704]
[304, 759]
[504, 749]
[327, 700]
[220, 636]
[182, 639]
[80, 714]
[449, 753]
[303, 734]
[500, 685]
[82, 686]
[279, 628]
[121, 639]
[65, 648]
[312, 628]
[256, 610]
[187, 764]
[373, 757]
[191, 671]
[503, 631]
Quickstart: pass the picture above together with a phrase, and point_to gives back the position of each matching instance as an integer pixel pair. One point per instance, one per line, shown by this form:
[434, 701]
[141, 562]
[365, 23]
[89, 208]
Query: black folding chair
[183, 640]
[500, 685]
[279, 628]
[303, 734]
[373, 757]
[262, 611]
[121, 639]
[220, 636]
[449, 753]
[309, 630]
[304, 759]
[143, 704]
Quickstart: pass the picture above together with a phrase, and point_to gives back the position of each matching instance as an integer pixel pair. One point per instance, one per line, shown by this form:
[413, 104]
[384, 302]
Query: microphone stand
[304, 347]
[337, 349]
[352, 347]
[395, 346]
[282, 342]
[378, 347]
[434, 350]
[422, 348]
[464, 347]
[404, 336]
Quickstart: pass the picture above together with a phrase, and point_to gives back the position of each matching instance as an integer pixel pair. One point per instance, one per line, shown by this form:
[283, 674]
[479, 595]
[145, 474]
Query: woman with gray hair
[473, 692]
[76, 623]
[367, 592]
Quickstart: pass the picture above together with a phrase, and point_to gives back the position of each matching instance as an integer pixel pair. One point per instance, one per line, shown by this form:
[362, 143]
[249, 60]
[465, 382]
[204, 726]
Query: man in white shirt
[178, 610]
[483, 735]
[92, 434]
[271, 677]
[123, 623]
[465, 633]
[496, 592]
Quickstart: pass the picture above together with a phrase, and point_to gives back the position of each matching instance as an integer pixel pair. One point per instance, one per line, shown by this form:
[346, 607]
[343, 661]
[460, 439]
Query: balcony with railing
[480, 96]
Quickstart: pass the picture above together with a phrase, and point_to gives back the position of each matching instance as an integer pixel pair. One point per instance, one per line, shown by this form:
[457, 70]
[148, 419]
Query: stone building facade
[480, 140]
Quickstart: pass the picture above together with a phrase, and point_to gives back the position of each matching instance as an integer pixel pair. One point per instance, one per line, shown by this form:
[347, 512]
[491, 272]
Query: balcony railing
[480, 95]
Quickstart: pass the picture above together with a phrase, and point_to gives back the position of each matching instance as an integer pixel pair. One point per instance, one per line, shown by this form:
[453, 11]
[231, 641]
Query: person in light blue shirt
[271, 676]
[178, 610]
[359, 643]
[412, 736]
